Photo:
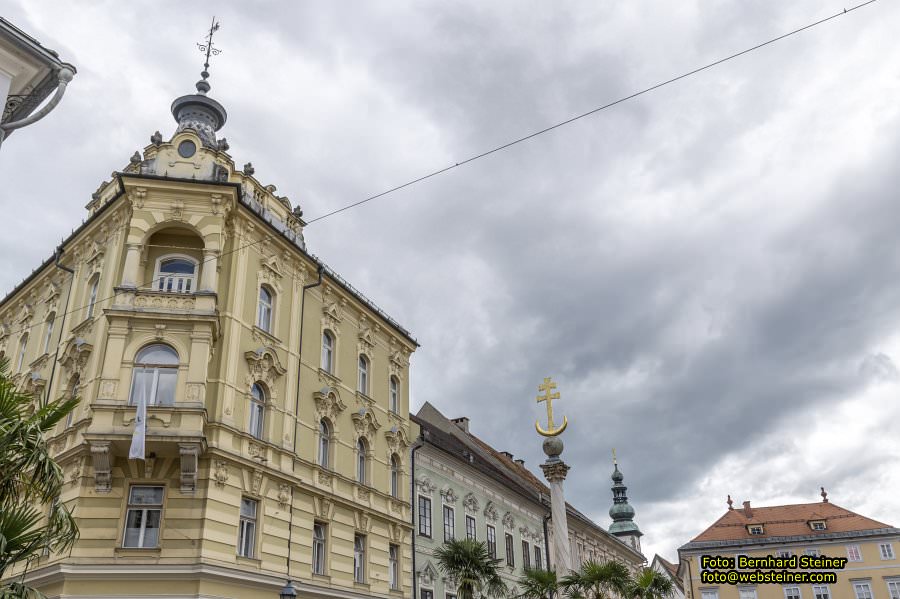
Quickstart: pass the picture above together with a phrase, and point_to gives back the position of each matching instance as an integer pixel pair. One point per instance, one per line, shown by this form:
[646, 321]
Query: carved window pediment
[76, 355]
[328, 403]
[365, 423]
[428, 575]
[471, 503]
[398, 441]
[264, 366]
[271, 272]
[490, 511]
[449, 495]
[425, 486]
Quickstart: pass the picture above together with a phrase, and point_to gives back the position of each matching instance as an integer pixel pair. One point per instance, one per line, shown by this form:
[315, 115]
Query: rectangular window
[813, 552]
[424, 516]
[821, 592]
[247, 527]
[143, 517]
[394, 566]
[318, 549]
[448, 523]
[817, 525]
[863, 590]
[470, 528]
[791, 592]
[784, 553]
[492, 541]
[853, 553]
[538, 558]
[894, 589]
[510, 550]
[426, 594]
[526, 555]
[709, 594]
[755, 529]
[887, 551]
[747, 593]
[359, 558]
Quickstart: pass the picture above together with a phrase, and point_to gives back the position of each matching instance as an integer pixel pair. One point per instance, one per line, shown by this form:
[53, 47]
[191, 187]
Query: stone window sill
[137, 551]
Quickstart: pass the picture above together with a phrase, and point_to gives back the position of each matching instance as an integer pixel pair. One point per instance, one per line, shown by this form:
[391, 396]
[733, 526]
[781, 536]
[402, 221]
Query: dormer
[756, 529]
[817, 525]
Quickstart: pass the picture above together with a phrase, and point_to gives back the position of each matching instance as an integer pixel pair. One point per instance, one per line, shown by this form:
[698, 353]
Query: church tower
[622, 513]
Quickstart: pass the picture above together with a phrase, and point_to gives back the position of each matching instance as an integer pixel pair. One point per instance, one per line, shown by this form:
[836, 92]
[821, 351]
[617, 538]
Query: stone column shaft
[132, 263]
[555, 473]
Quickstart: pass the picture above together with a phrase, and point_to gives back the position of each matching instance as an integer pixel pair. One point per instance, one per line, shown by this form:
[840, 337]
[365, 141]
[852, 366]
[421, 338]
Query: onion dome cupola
[198, 111]
[621, 512]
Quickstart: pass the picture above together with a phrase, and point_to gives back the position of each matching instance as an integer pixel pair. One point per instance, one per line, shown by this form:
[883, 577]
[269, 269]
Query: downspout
[297, 416]
[413, 505]
[59, 252]
[318, 282]
[64, 75]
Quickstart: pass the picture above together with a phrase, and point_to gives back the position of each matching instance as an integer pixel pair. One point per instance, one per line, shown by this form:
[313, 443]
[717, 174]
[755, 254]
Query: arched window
[49, 334]
[23, 347]
[395, 475]
[257, 410]
[73, 393]
[362, 384]
[155, 375]
[324, 443]
[395, 395]
[175, 274]
[264, 312]
[328, 352]
[92, 296]
[362, 457]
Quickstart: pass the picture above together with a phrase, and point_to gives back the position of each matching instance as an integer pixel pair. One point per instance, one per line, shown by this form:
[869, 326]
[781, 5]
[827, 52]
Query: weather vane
[551, 431]
[208, 47]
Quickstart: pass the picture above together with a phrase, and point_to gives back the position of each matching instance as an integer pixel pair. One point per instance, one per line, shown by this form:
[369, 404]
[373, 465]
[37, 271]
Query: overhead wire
[508, 144]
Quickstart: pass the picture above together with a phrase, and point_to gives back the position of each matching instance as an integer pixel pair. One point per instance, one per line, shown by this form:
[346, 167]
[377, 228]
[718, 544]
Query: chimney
[462, 423]
[507, 454]
[520, 462]
[747, 511]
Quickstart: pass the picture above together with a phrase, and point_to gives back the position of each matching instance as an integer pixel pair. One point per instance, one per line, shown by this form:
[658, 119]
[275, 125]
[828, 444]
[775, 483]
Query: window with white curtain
[257, 410]
[266, 309]
[328, 352]
[155, 376]
[324, 443]
[362, 384]
[394, 395]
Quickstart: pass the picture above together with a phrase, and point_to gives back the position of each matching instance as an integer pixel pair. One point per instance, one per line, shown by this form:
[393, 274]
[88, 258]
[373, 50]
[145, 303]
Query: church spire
[198, 111]
[621, 512]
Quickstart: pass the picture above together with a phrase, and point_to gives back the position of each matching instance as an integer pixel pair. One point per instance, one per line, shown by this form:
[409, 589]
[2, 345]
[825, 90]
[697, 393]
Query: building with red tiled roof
[805, 529]
[670, 571]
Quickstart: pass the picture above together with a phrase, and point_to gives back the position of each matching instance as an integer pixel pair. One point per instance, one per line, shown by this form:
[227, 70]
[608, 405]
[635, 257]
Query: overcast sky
[710, 271]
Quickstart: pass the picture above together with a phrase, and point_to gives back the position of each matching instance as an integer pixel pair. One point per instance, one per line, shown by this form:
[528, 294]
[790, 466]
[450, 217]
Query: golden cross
[548, 396]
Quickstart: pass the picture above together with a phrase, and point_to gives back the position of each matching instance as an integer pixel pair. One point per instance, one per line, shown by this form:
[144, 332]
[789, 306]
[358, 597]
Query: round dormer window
[187, 148]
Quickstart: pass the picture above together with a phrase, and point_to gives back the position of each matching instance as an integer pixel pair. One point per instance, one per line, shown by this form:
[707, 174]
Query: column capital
[555, 471]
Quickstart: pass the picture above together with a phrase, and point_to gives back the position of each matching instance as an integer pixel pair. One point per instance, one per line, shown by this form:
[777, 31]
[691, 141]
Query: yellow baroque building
[872, 569]
[277, 420]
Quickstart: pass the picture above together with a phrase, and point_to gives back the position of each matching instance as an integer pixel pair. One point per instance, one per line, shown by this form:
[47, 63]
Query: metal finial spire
[210, 50]
[615, 461]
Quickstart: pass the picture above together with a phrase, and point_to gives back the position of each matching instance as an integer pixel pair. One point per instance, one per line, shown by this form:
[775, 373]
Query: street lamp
[288, 591]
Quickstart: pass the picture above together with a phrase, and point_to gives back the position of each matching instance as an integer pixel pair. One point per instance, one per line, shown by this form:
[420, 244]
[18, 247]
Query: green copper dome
[621, 512]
